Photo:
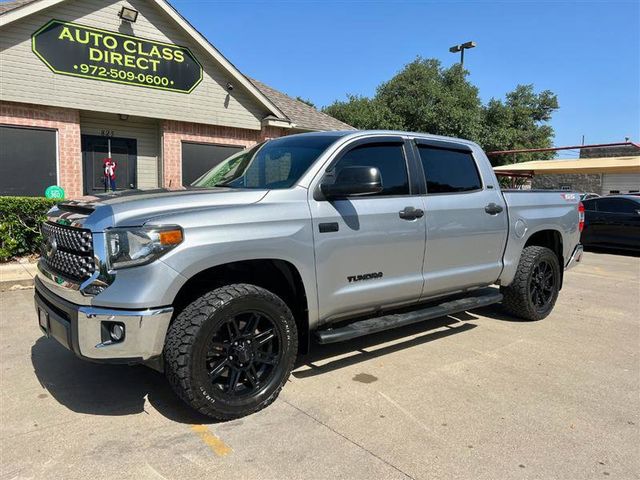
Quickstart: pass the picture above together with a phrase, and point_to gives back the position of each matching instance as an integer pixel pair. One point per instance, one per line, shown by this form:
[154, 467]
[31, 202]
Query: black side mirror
[355, 180]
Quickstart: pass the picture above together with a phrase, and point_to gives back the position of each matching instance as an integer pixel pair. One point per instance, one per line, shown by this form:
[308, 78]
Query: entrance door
[122, 150]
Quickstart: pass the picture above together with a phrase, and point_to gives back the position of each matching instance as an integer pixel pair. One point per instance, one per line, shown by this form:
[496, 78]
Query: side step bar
[476, 299]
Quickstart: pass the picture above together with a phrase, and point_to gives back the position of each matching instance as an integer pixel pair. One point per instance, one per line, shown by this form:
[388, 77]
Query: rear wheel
[534, 290]
[229, 353]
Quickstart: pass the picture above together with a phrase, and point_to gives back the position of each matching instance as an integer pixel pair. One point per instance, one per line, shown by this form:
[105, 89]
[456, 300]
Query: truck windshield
[275, 164]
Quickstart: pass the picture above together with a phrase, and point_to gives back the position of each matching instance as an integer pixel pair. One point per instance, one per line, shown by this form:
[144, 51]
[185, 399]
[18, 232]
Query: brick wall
[579, 182]
[618, 151]
[174, 133]
[67, 122]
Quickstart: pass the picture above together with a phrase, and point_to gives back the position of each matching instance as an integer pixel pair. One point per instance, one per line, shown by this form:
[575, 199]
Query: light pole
[461, 48]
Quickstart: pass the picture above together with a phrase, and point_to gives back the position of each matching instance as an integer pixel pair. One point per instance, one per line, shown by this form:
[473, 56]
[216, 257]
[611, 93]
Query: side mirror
[355, 180]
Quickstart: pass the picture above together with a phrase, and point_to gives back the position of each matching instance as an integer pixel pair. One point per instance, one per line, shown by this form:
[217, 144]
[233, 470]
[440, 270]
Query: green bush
[20, 219]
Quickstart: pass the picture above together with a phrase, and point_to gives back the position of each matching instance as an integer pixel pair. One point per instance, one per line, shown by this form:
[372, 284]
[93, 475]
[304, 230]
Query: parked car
[588, 196]
[612, 222]
[318, 235]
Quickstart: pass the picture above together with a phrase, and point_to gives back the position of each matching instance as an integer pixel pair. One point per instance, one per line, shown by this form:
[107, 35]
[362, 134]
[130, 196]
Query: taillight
[580, 216]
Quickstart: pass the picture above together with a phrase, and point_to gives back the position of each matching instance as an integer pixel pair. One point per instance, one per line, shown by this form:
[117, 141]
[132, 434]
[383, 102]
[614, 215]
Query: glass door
[96, 149]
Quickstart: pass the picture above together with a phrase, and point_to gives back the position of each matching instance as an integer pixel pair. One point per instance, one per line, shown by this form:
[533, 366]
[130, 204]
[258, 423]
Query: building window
[28, 161]
[198, 158]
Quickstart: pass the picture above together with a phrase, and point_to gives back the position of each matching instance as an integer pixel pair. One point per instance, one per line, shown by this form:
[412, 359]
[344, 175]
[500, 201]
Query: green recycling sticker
[54, 191]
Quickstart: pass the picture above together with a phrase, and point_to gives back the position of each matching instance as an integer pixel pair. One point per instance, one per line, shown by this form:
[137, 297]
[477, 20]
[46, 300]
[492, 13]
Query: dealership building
[86, 80]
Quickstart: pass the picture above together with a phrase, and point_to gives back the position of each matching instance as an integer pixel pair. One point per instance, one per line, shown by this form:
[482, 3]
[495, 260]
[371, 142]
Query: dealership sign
[87, 52]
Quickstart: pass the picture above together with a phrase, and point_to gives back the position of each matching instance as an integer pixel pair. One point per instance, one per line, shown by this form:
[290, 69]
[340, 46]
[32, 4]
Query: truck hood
[137, 207]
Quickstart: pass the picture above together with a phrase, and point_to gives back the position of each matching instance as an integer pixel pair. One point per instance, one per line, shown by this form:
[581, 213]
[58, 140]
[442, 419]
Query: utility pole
[461, 48]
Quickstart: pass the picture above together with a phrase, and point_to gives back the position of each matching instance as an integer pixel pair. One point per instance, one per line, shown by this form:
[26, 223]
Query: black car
[588, 196]
[612, 222]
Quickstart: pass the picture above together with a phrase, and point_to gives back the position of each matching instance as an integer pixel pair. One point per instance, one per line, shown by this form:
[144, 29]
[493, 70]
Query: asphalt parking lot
[479, 396]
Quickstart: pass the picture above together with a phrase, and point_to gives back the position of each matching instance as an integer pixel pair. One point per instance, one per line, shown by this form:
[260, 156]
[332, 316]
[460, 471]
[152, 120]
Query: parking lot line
[216, 445]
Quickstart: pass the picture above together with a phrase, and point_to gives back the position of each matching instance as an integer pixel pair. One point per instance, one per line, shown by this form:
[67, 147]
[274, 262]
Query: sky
[587, 52]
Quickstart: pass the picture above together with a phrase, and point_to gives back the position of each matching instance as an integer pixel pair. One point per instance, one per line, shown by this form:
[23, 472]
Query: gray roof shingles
[8, 6]
[303, 116]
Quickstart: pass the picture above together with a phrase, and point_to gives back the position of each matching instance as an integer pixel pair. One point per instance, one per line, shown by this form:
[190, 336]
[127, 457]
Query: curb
[12, 285]
[17, 275]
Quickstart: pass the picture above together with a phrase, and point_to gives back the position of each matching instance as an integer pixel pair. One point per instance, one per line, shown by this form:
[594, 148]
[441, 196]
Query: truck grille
[68, 251]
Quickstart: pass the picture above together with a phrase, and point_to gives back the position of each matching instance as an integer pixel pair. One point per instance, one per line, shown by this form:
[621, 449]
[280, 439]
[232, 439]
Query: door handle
[411, 213]
[493, 209]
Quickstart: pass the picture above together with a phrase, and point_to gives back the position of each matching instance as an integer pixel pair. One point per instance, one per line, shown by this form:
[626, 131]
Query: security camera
[229, 86]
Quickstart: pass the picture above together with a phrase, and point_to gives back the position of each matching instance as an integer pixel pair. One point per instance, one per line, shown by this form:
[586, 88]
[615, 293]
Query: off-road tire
[517, 299]
[185, 348]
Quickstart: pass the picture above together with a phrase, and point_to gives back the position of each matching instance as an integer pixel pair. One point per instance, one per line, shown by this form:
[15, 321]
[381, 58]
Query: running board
[476, 299]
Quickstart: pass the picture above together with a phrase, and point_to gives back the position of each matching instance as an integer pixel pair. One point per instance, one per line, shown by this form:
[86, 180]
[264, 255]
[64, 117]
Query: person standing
[109, 174]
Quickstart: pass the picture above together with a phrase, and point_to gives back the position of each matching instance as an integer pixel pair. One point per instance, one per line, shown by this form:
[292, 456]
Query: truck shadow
[97, 389]
[366, 348]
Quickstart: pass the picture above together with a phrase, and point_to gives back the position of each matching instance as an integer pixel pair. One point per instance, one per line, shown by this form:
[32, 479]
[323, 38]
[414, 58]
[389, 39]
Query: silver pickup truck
[319, 236]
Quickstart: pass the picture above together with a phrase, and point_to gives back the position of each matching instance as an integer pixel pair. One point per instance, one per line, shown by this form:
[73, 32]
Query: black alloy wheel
[534, 290]
[542, 285]
[229, 352]
[243, 353]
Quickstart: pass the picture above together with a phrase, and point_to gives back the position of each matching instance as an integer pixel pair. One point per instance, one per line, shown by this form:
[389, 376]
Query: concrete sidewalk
[17, 274]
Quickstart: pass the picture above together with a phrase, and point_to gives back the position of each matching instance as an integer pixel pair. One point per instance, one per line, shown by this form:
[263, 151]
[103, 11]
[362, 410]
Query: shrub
[20, 219]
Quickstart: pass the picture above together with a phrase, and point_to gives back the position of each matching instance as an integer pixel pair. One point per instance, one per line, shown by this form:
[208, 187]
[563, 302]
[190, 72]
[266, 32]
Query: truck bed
[534, 211]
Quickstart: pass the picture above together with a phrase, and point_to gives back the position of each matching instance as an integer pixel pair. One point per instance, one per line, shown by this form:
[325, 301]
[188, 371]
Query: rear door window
[591, 205]
[449, 171]
[617, 205]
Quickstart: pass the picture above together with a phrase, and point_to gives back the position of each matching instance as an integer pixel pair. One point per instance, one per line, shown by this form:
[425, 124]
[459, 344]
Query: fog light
[117, 332]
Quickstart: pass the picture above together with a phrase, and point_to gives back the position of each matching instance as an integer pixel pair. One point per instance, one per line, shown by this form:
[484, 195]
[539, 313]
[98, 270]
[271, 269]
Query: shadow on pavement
[99, 389]
[96, 389]
[495, 312]
[612, 251]
[318, 353]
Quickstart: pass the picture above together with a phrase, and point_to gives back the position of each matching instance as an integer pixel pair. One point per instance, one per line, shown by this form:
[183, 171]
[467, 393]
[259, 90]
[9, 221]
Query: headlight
[130, 247]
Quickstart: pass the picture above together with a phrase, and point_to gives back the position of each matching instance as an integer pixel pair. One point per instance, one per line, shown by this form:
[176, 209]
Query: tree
[429, 98]
[518, 123]
[365, 113]
[307, 101]
[425, 97]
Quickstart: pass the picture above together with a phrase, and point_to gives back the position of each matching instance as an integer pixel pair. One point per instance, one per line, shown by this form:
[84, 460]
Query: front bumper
[576, 257]
[81, 328]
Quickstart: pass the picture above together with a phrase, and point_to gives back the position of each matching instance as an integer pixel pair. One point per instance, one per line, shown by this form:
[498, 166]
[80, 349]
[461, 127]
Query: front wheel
[229, 353]
[534, 290]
